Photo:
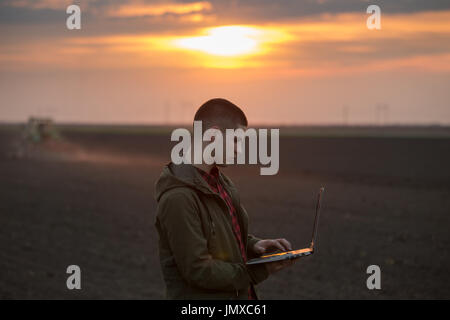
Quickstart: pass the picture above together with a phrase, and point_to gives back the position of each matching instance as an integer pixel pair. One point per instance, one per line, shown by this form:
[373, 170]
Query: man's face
[237, 146]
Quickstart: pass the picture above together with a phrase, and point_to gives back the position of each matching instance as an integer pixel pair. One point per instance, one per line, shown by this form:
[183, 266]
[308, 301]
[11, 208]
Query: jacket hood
[177, 176]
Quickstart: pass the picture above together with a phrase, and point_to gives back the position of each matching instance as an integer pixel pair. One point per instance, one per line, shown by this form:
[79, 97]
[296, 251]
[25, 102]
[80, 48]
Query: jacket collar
[190, 175]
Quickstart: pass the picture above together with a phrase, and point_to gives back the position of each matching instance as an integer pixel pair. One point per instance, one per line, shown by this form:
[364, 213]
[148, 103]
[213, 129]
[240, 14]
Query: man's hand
[276, 266]
[269, 245]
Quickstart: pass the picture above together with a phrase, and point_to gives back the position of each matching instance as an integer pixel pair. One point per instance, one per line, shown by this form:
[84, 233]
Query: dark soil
[88, 200]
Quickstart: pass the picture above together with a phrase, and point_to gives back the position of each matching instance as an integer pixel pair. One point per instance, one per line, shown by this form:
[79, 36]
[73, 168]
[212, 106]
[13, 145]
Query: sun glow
[224, 41]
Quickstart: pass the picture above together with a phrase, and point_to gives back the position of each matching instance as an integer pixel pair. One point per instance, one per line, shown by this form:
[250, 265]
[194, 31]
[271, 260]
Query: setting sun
[224, 41]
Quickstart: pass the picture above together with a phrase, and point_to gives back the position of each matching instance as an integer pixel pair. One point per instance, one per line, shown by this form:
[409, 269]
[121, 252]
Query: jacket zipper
[213, 227]
[229, 219]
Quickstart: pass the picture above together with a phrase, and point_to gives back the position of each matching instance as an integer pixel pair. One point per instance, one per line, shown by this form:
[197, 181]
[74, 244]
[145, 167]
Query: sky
[283, 62]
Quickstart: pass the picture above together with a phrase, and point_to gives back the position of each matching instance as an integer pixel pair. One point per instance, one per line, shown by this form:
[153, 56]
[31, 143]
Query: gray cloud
[287, 9]
[224, 10]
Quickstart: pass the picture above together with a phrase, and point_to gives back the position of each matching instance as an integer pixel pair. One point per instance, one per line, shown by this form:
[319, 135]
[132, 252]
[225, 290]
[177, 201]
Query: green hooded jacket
[199, 255]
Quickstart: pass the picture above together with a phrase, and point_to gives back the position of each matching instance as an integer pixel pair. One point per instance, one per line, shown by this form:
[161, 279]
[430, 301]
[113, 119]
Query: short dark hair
[220, 111]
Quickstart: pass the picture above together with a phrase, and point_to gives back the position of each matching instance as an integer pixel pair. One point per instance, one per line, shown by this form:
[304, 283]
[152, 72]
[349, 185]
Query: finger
[289, 244]
[274, 267]
[284, 264]
[277, 244]
[291, 262]
[259, 249]
[286, 244]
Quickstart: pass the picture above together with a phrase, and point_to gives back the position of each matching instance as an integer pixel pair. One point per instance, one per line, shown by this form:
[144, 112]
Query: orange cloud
[46, 4]
[140, 10]
[323, 45]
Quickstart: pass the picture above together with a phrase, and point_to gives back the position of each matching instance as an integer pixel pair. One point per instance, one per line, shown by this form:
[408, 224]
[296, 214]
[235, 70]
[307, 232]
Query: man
[203, 228]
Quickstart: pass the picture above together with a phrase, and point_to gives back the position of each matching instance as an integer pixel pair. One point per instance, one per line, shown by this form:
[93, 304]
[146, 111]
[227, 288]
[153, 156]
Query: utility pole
[345, 113]
[167, 112]
[386, 113]
[381, 113]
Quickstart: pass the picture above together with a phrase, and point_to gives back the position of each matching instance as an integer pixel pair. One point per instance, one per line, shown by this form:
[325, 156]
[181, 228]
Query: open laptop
[294, 253]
